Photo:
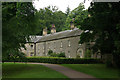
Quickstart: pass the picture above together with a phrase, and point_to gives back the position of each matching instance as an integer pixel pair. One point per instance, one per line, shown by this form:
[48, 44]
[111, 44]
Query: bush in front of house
[50, 52]
[62, 54]
[53, 54]
[57, 60]
[17, 56]
[88, 53]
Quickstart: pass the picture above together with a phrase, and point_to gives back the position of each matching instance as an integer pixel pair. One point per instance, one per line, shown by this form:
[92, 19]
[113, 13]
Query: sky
[61, 4]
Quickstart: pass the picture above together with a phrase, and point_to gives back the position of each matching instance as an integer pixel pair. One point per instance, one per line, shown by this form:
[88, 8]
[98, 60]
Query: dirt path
[67, 71]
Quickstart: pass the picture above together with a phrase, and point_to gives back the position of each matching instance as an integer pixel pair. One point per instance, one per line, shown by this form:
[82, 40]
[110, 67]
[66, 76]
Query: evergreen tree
[67, 11]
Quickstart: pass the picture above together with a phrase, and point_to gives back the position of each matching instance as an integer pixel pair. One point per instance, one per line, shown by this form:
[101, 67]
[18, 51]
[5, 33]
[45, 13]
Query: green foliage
[102, 28]
[88, 53]
[109, 63]
[44, 57]
[61, 54]
[28, 71]
[48, 16]
[67, 11]
[78, 56]
[52, 54]
[97, 70]
[101, 18]
[18, 22]
[56, 60]
[79, 14]
[14, 56]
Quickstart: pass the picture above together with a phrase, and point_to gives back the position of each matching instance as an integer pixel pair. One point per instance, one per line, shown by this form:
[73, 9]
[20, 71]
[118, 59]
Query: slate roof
[34, 38]
[60, 35]
[55, 36]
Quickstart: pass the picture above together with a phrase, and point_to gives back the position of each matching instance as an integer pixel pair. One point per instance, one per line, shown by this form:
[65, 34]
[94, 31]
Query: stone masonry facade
[64, 41]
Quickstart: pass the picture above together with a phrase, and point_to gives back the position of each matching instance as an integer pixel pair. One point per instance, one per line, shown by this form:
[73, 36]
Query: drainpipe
[45, 48]
[34, 49]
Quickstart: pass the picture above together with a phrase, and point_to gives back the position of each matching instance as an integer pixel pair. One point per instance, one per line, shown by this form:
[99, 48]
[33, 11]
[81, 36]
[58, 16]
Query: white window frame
[61, 44]
[69, 43]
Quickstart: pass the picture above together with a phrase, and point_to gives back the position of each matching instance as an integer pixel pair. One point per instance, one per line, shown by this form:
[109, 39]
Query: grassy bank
[96, 70]
[22, 70]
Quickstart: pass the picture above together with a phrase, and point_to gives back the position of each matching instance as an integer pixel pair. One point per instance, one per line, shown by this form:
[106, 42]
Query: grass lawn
[96, 70]
[22, 70]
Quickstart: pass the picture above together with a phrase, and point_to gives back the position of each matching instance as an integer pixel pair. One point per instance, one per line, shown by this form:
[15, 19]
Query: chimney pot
[72, 24]
[53, 29]
[45, 31]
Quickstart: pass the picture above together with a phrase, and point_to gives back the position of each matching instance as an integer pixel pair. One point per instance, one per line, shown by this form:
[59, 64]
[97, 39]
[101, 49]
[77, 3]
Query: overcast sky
[61, 4]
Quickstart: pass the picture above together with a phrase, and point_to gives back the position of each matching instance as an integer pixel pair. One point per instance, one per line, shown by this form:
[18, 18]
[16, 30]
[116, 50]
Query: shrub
[17, 56]
[62, 54]
[53, 54]
[55, 60]
[88, 53]
[50, 52]
[78, 56]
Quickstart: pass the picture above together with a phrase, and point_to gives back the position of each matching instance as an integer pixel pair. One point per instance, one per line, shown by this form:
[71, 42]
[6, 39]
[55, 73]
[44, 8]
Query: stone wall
[29, 49]
[70, 46]
[67, 45]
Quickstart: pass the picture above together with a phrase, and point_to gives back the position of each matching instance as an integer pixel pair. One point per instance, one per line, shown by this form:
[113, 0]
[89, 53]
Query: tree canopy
[48, 16]
[103, 27]
[21, 19]
[79, 14]
[17, 24]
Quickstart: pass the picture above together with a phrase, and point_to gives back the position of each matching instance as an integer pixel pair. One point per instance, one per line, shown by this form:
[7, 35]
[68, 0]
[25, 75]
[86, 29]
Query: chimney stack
[53, 29]
[45, 31]
[72, 24]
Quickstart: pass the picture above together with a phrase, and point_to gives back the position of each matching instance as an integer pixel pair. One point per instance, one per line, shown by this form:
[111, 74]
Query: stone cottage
[64, 41]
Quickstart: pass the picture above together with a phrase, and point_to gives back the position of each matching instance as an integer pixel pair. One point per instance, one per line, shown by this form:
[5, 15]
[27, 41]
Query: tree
[18, 22]
[79, 14]
[88, 53]
[59, 20]
[67, 11]
[103, 28]
[48, 16]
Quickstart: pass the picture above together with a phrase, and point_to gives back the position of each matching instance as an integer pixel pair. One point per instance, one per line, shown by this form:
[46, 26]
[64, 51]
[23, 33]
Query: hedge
[55, 60]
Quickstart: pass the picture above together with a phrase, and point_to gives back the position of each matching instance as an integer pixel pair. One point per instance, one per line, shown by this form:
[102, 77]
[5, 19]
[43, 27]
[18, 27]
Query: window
[54, 49]
[68, 51]
[69, 54]
[69, 43]
[31, 54]
[81, 53]
[31, 46]
[61, 44]
[43, 49]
